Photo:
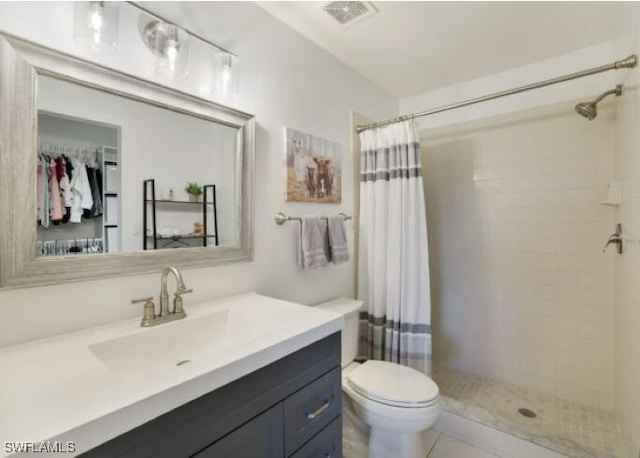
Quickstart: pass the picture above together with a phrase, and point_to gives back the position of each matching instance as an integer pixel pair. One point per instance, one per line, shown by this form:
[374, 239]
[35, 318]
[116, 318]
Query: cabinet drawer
[326, 444]
[311, 408]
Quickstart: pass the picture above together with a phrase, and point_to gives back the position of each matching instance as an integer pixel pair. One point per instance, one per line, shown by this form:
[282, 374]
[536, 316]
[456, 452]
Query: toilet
[396, 402]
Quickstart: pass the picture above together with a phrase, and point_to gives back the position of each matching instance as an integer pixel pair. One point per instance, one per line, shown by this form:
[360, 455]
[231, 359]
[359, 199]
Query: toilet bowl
[396, 402]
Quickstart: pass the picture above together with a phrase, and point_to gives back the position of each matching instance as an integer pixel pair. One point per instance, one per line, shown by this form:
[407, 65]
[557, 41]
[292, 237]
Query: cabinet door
[326, 444]
[261, 437]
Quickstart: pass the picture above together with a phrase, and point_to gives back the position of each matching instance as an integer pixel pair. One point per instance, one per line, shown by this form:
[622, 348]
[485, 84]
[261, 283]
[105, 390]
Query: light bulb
[95, 20]
[226, 74]
[95, 25]
[172, 54]
[226, 77]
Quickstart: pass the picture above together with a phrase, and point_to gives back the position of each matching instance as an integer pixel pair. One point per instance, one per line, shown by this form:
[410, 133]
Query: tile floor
[564, 426]
[436, 445]
[440, 445]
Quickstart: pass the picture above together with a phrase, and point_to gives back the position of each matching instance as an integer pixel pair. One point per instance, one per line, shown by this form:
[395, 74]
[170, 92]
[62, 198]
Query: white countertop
[58, 390]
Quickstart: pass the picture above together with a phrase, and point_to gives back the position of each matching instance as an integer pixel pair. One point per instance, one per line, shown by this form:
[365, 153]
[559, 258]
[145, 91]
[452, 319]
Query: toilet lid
[393, 384]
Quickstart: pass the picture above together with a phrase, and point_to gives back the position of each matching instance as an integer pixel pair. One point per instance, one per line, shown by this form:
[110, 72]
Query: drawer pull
[325, 405]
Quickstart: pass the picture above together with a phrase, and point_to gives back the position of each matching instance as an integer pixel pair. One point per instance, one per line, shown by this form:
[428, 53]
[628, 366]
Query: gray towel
[338, 247]
[313, 243]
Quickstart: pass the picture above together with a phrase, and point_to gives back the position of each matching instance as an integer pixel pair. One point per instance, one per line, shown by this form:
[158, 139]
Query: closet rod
[629, 62]
[67, 146]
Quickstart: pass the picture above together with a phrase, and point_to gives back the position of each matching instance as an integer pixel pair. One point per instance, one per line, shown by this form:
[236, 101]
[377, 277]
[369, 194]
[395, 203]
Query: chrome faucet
[150, 318]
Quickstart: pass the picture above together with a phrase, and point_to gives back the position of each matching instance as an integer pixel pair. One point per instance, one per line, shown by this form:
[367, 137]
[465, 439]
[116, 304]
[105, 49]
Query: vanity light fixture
[170, 44]
[226, 73]
[95, 26]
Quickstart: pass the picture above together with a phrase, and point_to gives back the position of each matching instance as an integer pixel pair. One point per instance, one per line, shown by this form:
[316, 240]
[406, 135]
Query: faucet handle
[149, 310]
[178, 304]
[143, 299]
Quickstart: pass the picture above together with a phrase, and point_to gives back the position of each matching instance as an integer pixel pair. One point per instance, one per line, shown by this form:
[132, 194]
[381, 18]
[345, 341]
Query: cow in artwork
[324, 175]
[310, 181]
[301, 160]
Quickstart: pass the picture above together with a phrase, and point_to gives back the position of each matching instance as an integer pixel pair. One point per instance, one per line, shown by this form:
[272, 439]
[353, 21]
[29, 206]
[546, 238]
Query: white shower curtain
[393, 264]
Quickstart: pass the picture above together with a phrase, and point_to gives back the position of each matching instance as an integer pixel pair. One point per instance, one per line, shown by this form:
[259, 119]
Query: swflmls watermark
[39, 447]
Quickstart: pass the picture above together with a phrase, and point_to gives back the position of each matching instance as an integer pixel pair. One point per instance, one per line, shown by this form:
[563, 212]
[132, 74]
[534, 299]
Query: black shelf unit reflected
[150, 207]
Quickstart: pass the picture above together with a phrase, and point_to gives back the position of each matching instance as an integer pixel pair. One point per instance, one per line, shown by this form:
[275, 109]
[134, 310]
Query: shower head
[589, 109]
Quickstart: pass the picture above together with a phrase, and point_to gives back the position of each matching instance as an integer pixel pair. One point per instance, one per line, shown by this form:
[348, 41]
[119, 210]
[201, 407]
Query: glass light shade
[171, 46]
[227, 73]
[95, 26]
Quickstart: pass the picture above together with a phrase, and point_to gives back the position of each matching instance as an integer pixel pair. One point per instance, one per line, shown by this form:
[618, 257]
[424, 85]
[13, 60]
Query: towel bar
[281, 218]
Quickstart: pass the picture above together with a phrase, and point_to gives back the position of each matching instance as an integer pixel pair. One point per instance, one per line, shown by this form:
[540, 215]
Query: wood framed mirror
[50, 103]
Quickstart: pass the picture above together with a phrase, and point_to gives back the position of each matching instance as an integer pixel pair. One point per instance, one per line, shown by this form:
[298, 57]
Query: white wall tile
[542, 235]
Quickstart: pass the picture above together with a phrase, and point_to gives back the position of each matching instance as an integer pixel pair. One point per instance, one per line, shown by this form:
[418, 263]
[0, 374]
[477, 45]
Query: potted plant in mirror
[194, 190]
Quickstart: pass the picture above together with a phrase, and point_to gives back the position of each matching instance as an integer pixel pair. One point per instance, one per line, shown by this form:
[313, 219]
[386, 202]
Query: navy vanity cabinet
[290, 408]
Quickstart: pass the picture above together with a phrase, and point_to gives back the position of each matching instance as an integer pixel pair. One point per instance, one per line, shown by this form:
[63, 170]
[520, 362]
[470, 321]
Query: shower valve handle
[615, 238]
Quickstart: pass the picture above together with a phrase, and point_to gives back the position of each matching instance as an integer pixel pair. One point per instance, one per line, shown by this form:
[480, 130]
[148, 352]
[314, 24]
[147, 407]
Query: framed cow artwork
[313, 168]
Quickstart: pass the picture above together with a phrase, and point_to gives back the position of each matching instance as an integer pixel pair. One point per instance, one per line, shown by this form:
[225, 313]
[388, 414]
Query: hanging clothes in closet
[69, 185]
[94, 175]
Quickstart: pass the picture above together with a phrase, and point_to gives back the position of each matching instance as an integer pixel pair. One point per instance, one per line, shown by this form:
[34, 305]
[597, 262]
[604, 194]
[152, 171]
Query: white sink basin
[166, 347]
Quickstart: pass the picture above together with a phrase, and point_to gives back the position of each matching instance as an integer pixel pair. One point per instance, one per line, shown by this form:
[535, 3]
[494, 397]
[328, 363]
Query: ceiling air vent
[348, 13]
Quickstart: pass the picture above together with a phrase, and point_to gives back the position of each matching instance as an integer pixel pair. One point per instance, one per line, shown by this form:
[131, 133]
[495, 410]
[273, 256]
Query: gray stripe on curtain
[386, 342]
[416, 353]
[383, 175]
[375, 164]
[410, 151]
[412, 328]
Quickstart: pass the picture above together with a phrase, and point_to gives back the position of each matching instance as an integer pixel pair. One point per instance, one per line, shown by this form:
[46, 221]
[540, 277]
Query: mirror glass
[112, 172]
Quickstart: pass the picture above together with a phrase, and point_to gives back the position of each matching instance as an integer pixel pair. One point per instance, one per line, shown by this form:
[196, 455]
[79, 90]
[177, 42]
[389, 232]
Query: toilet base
[384, 443]
[355, 433]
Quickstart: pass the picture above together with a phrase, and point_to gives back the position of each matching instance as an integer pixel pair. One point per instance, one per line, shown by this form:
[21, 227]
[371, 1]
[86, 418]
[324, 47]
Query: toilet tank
[349, 308]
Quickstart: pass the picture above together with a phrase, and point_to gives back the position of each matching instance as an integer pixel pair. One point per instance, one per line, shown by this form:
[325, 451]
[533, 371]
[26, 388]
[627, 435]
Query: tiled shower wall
[520, 288]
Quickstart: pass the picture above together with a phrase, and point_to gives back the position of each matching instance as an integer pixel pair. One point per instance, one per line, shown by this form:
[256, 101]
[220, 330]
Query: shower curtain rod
[628, 62]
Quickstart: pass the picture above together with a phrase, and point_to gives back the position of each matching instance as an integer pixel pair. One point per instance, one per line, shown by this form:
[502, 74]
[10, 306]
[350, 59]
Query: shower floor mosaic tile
[567, 427]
